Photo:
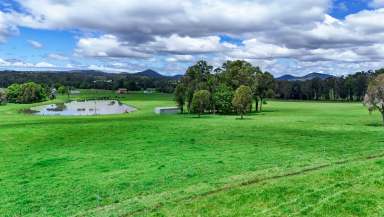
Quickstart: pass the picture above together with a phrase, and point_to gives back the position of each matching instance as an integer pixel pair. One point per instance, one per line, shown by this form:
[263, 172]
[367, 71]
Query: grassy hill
[295, 158]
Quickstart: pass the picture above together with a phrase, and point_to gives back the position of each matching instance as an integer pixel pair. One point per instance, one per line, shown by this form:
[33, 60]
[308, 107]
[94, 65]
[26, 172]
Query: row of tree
[225, 89]
[90, 80]
[345, 88]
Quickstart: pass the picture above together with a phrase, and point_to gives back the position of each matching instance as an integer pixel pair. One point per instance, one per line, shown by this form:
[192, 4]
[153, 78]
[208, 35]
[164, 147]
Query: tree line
[345, 88]
[89, 80]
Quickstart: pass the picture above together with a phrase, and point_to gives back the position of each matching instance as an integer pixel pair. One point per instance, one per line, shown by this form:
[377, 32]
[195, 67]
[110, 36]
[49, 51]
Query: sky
[328, 36]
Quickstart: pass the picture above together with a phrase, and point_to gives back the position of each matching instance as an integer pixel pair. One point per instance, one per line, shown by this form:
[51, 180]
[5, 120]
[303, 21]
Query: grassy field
[294, 159]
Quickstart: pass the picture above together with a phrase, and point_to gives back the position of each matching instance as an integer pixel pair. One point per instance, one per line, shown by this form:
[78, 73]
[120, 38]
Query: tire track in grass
[239, 185]
[267, 212]
[324, 200]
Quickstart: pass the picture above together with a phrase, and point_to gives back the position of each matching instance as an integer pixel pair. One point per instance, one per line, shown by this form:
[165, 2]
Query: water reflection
[91, 107]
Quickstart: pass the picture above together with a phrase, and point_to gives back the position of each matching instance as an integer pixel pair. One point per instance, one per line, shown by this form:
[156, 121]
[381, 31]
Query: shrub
[26, 93]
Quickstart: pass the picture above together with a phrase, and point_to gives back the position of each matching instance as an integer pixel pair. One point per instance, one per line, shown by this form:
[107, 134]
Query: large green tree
[237, 73]
[196, 78]
[200, 101]
[26, 93]
[374, 99]
[242, 99]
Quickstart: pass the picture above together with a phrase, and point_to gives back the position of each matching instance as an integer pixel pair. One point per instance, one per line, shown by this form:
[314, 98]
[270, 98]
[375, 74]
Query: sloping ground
[352, 188]
[145, 164]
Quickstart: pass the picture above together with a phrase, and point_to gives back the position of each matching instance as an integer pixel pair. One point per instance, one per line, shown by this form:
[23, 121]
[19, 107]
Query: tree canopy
[200, 101]
[242, 99]
[26, 93]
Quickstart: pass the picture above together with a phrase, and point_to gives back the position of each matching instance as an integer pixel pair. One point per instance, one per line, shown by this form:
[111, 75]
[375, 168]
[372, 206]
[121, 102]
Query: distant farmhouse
[122, 91]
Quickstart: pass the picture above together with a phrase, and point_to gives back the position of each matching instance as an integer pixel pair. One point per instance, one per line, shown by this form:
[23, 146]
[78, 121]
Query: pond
[91, 107]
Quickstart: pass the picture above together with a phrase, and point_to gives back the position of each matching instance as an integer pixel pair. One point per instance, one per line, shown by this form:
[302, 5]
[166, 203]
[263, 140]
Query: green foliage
[200, 101]
[63, 90]
[180, 95]
[374, 99]
[222, 98]
[26, 93]
[3, 97]
[242, 100]
[237, 73]
[263, 88]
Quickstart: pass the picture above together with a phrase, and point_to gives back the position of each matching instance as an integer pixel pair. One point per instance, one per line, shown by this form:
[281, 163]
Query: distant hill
[149, 73]
[305, 77]
[153, 74]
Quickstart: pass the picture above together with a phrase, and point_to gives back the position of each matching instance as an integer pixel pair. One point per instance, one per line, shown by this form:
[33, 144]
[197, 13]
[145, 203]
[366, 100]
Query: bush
[222, 98]
[200, 101]
[26, 93]
[62, 90]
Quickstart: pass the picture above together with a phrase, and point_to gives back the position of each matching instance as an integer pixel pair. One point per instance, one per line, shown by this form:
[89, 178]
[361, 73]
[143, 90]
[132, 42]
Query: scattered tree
[374, 99]
[264, 87]
[200, 101]
[242, 100]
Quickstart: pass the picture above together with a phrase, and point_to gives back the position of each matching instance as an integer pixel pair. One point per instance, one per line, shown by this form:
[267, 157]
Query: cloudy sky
[295, 36]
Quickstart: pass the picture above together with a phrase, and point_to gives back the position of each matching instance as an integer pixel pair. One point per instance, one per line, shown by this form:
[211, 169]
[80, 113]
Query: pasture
[293, 159]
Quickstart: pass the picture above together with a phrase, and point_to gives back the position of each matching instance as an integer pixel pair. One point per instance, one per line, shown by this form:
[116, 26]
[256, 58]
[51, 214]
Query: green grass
[179, 165]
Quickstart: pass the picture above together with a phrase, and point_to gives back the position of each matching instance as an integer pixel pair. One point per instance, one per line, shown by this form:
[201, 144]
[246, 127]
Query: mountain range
[305, 77]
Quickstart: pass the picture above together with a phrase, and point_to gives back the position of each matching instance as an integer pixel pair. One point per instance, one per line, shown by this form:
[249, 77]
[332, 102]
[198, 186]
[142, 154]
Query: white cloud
[107, 46]
[187, 45]
[24, 65]
[56, 56]
[44, 65]
[35, 44]
[140, 19]
[180, 58]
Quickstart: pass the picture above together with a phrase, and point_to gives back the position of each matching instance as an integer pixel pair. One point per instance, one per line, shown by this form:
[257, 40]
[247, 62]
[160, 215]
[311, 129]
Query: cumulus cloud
[142, 19]
[182, 30]
[107, 46]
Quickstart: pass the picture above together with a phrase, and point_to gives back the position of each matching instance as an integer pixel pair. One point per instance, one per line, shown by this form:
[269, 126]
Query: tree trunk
[257, 105]
[241, 115]
[261, 104]
[382, 115]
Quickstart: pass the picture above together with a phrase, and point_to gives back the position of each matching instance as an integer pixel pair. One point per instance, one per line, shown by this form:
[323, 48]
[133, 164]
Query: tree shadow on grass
[248, 118]
[375, 125]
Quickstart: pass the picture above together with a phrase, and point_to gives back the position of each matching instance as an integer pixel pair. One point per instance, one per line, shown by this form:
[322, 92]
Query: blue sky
[336, 37]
